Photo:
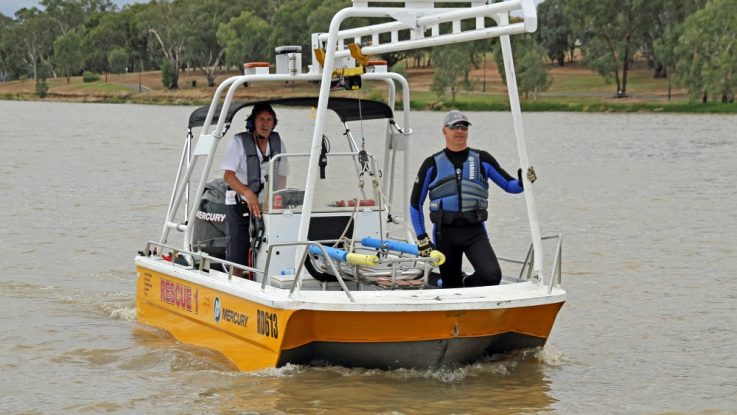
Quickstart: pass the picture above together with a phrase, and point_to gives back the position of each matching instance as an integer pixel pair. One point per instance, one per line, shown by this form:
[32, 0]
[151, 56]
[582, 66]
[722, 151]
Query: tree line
[690, 42]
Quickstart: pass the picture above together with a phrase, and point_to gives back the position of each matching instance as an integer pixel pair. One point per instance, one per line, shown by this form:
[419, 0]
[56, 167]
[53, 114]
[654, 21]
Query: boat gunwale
[522, 294]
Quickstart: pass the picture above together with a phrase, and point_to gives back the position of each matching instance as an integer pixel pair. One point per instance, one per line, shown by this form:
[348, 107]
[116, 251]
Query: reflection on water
[645, 204]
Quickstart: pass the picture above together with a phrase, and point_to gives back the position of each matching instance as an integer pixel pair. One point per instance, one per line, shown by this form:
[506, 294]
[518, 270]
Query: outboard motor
[208, 230]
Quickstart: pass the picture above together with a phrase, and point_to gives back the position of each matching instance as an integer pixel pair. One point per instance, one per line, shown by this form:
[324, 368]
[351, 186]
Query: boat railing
[198, 260]
[298, 273]
[526, 272]
[203, 261]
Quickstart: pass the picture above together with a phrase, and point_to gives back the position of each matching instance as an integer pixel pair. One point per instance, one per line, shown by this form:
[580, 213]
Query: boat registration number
[267, 324]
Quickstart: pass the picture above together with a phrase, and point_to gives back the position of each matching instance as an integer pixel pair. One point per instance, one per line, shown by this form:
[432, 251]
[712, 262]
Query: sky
[9, 7]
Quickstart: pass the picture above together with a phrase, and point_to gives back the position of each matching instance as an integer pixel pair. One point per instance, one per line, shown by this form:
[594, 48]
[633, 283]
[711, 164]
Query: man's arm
[498, 175]
[419, 194]
[243, 190]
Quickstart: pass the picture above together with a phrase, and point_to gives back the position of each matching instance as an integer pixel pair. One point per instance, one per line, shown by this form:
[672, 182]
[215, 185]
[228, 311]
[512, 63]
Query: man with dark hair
[245, 163]
[456, 180]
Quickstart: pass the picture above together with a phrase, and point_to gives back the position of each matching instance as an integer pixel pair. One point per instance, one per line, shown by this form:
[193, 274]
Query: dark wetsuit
[459, 237]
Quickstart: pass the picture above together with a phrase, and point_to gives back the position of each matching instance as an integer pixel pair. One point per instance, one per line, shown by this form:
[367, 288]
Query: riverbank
[574, 88]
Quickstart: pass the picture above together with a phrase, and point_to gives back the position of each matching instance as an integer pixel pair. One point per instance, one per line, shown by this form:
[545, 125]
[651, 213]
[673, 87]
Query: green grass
[428, 101]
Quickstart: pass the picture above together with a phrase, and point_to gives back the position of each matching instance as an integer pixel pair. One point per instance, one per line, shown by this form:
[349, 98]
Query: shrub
[88, 76]
[166, 75]
[42, 88]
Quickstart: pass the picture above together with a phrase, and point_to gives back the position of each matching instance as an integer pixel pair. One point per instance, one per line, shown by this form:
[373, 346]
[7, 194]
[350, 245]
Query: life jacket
[253, 165]
[459, 195]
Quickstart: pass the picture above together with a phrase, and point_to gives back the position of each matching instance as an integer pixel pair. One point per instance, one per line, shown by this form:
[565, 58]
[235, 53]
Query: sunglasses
[462, 127]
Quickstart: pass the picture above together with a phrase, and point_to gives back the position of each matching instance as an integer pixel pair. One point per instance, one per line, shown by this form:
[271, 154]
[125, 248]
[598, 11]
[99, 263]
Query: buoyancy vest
[253, 165]
[459, 193]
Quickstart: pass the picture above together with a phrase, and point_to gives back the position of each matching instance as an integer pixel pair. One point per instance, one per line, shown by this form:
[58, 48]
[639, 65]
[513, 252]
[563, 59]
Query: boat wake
[119, 311]
[498, 365]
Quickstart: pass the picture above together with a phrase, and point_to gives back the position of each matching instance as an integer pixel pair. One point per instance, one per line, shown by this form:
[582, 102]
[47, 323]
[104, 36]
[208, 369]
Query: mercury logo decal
[235, 317]
[216, 310]
[210, 217]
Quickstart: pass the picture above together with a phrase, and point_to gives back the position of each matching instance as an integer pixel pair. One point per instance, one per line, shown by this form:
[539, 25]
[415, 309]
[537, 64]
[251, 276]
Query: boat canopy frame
[423, 20]
[347, 109]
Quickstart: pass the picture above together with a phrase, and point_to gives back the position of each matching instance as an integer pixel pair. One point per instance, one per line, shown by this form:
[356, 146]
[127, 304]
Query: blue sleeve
[419, 194]
[499, 176]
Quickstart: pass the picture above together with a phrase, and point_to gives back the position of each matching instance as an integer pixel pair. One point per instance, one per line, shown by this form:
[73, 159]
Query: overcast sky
[9, 7]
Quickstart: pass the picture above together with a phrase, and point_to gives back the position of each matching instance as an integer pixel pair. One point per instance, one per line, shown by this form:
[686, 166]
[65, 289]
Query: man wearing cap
[456, 181]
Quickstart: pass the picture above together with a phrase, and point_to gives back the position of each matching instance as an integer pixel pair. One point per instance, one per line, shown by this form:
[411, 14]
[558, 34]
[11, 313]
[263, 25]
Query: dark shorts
[239, 239]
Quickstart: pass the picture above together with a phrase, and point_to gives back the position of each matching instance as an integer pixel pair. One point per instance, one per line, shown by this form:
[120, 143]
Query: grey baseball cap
[455, 117]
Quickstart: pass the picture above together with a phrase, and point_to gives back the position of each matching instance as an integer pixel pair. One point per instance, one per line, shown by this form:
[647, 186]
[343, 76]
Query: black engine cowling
[208, 230]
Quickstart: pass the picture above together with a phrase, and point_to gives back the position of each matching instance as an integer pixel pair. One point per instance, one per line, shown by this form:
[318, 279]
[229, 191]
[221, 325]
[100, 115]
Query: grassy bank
[573, 88]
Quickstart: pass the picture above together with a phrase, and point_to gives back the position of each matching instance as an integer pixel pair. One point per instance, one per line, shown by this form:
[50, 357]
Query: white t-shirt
[235, 160]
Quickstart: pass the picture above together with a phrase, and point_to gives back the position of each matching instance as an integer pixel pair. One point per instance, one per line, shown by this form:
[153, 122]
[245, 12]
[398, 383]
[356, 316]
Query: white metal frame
[418, 19]
[423, 21]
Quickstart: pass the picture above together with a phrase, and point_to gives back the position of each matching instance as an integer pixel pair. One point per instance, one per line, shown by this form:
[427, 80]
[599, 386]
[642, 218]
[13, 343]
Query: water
[645, 203]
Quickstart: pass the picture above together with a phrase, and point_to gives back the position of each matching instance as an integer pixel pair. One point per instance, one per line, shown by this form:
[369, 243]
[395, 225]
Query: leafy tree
[34, 35]
[452, 63]
[660, 36]
[70, 15]
[118, 60]
[529, 65]
[68, 54]
[295, 20]
[555, 32]
[10, 54]
[119, 30]
[610, 32]
[245, 38]
[707, 63]
[111, 32]
[166, 23]
[206, 17]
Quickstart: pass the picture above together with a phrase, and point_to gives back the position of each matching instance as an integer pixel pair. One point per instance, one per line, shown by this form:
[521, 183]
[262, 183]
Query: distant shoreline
[574, 89]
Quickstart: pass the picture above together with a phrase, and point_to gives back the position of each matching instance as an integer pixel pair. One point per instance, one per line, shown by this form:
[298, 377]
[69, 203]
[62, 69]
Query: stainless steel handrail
[527, 264]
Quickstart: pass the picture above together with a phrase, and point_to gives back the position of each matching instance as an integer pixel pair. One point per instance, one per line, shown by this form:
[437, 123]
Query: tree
[660, 35]
[707, 63]
[529, 65]
[245, 38]
[165, 22]
[118, 60]
[68, 54]
[119, 30]
[34, 35]
[70, 15]
[555, 32]
[610, 32]
[205, 17]
[452, 63]
[10, 54]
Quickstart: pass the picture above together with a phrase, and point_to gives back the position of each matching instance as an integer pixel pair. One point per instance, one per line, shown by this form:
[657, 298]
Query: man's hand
[424, 245]
[253, 205]
[531, 176]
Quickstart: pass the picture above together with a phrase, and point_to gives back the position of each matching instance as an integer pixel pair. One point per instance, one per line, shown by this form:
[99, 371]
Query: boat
[337, 279]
